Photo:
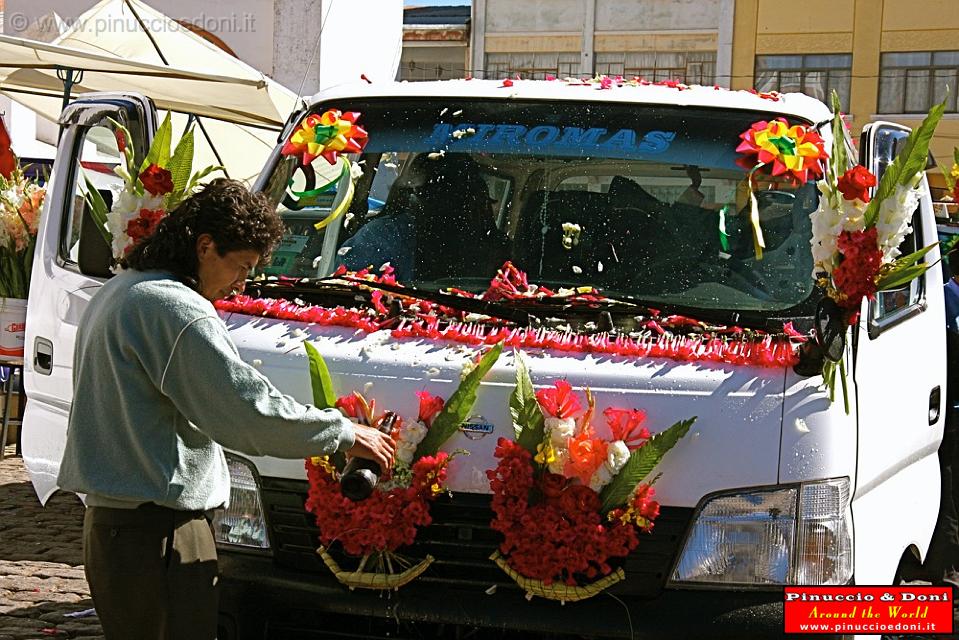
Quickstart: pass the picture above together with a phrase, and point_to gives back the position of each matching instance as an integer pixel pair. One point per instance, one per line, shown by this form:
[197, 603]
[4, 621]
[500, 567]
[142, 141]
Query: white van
[774, 484]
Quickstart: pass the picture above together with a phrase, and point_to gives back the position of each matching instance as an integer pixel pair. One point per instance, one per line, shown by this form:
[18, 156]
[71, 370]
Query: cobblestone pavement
[42, 587]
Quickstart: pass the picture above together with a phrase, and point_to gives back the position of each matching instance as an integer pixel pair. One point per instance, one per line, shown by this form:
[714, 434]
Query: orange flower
[587, 453]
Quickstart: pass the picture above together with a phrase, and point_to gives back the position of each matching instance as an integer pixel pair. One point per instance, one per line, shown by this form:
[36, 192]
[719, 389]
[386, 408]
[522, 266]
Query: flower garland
[603, 81]
[855, 237]
[151, 188]
[568, 502]
[376, 527]
[674, 337]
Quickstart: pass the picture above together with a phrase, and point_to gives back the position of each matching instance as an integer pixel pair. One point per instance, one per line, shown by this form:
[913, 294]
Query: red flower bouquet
[856, 237]
[569, 503]
[376, 528]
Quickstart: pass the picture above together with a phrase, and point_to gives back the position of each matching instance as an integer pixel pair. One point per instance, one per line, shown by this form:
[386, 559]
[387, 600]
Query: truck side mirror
[830, 329]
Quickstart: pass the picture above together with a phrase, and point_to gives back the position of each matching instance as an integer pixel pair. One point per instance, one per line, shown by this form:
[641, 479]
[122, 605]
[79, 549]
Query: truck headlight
[796, 535]
[242, 524]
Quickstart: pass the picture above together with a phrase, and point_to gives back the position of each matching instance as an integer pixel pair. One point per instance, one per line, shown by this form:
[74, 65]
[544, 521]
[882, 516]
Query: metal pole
[68, 77]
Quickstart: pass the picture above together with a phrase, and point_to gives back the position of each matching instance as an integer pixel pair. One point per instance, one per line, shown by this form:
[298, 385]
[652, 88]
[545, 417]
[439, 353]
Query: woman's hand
[374, 445]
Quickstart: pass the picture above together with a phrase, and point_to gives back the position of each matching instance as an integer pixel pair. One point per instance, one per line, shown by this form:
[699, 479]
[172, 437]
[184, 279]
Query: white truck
[774, 484]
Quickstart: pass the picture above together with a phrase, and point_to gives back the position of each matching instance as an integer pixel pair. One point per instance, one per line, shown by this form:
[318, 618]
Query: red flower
[586, 455]
[552, 484]
[855, 277]
[559, 401]
[157, 180]
[349, 405]
[430, 406]
[121, 140]
[507, 83]
[144, 224]
[627, 425]
[856, 182]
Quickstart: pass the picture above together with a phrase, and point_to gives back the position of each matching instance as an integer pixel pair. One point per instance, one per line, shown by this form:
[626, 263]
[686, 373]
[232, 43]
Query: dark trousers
[152, 573]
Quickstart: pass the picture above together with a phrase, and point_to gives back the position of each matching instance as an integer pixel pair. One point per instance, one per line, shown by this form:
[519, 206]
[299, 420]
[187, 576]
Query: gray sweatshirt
[157, 384]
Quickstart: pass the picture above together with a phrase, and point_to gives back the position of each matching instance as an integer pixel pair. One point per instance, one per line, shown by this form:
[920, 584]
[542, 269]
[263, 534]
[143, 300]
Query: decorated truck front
[643, 246]
[591, 307]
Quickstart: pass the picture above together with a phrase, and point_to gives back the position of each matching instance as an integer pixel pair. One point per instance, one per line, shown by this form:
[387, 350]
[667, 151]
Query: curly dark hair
[236, 218]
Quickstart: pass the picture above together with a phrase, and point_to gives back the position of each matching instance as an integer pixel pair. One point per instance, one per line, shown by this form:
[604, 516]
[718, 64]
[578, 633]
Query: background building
[435, 43]
[689, 40]
[888, 59]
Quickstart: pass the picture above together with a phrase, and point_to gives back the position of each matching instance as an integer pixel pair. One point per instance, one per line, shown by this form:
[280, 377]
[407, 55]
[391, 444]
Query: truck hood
[734, 442]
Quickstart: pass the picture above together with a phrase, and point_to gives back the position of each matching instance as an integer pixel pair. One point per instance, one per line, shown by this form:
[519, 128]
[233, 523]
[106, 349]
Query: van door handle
[934, 401]
[43, 356]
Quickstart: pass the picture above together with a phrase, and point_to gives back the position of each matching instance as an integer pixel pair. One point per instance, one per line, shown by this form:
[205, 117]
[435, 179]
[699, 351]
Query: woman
[158, 386]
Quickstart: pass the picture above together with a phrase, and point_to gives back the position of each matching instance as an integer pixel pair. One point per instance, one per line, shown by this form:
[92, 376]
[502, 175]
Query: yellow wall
[864, 28]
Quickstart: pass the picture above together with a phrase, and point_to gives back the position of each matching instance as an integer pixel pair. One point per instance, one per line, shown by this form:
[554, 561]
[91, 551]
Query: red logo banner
[868, 610]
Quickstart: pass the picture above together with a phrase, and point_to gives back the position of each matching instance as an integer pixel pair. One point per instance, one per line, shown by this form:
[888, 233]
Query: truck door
[900, 374]
[72, 261]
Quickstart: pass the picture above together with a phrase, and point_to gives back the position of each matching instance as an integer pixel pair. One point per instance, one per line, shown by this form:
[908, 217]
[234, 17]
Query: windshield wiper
[638, 306]
[469, 305]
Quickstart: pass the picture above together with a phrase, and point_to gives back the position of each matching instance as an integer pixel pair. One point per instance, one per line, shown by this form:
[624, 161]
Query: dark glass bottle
[360, 475]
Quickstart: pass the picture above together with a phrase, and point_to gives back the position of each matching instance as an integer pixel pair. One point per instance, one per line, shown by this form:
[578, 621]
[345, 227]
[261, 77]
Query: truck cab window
[81, 246]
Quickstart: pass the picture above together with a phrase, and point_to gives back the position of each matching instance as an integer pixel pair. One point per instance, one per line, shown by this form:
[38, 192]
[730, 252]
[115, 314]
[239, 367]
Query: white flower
[895, 217]
[828, 222]
[410, 436]
[617, 454]
[559, 430]
[405, 451]
[561, 457]
[600, 479]
[413, 432]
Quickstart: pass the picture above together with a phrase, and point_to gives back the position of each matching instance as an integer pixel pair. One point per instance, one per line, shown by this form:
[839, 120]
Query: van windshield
[636, 200]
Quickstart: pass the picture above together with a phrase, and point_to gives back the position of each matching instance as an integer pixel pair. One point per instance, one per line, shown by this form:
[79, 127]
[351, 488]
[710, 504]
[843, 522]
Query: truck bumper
[259, 600]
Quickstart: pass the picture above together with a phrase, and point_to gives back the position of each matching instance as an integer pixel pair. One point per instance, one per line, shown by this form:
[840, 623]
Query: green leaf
[527, 416]
[98, 209]
[641, 462]
[199, 175]
[159, 152]
[322, 384]
[901, 277]
[910, 161]
[181, 163]
[845, 389]
[839, 159]
[947, 175]
[458, 407]
[28, 264]
[912, 258]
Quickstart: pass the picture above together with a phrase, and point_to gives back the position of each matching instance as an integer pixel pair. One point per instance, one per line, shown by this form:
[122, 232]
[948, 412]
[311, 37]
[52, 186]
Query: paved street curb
[41, 563]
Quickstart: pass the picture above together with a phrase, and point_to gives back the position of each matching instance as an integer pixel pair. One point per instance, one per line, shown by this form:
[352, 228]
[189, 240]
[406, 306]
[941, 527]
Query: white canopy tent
[240, 109]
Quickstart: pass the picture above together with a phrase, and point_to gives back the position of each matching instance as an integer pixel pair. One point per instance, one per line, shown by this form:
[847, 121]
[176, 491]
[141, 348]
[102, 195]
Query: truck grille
[461, 541]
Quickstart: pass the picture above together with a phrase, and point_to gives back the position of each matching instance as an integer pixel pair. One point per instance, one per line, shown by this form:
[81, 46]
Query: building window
[532, 66]
[913, 82]
[815, 75]
[697, 67]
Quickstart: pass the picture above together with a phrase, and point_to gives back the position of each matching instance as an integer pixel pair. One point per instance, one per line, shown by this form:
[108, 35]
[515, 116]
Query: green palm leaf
[180, 168]
[618, 492]
[523, 407]
[159, 152]
[458, 407]
[320, 380]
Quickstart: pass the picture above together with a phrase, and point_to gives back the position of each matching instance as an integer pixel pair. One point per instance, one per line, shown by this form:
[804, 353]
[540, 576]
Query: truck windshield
[640, 201]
